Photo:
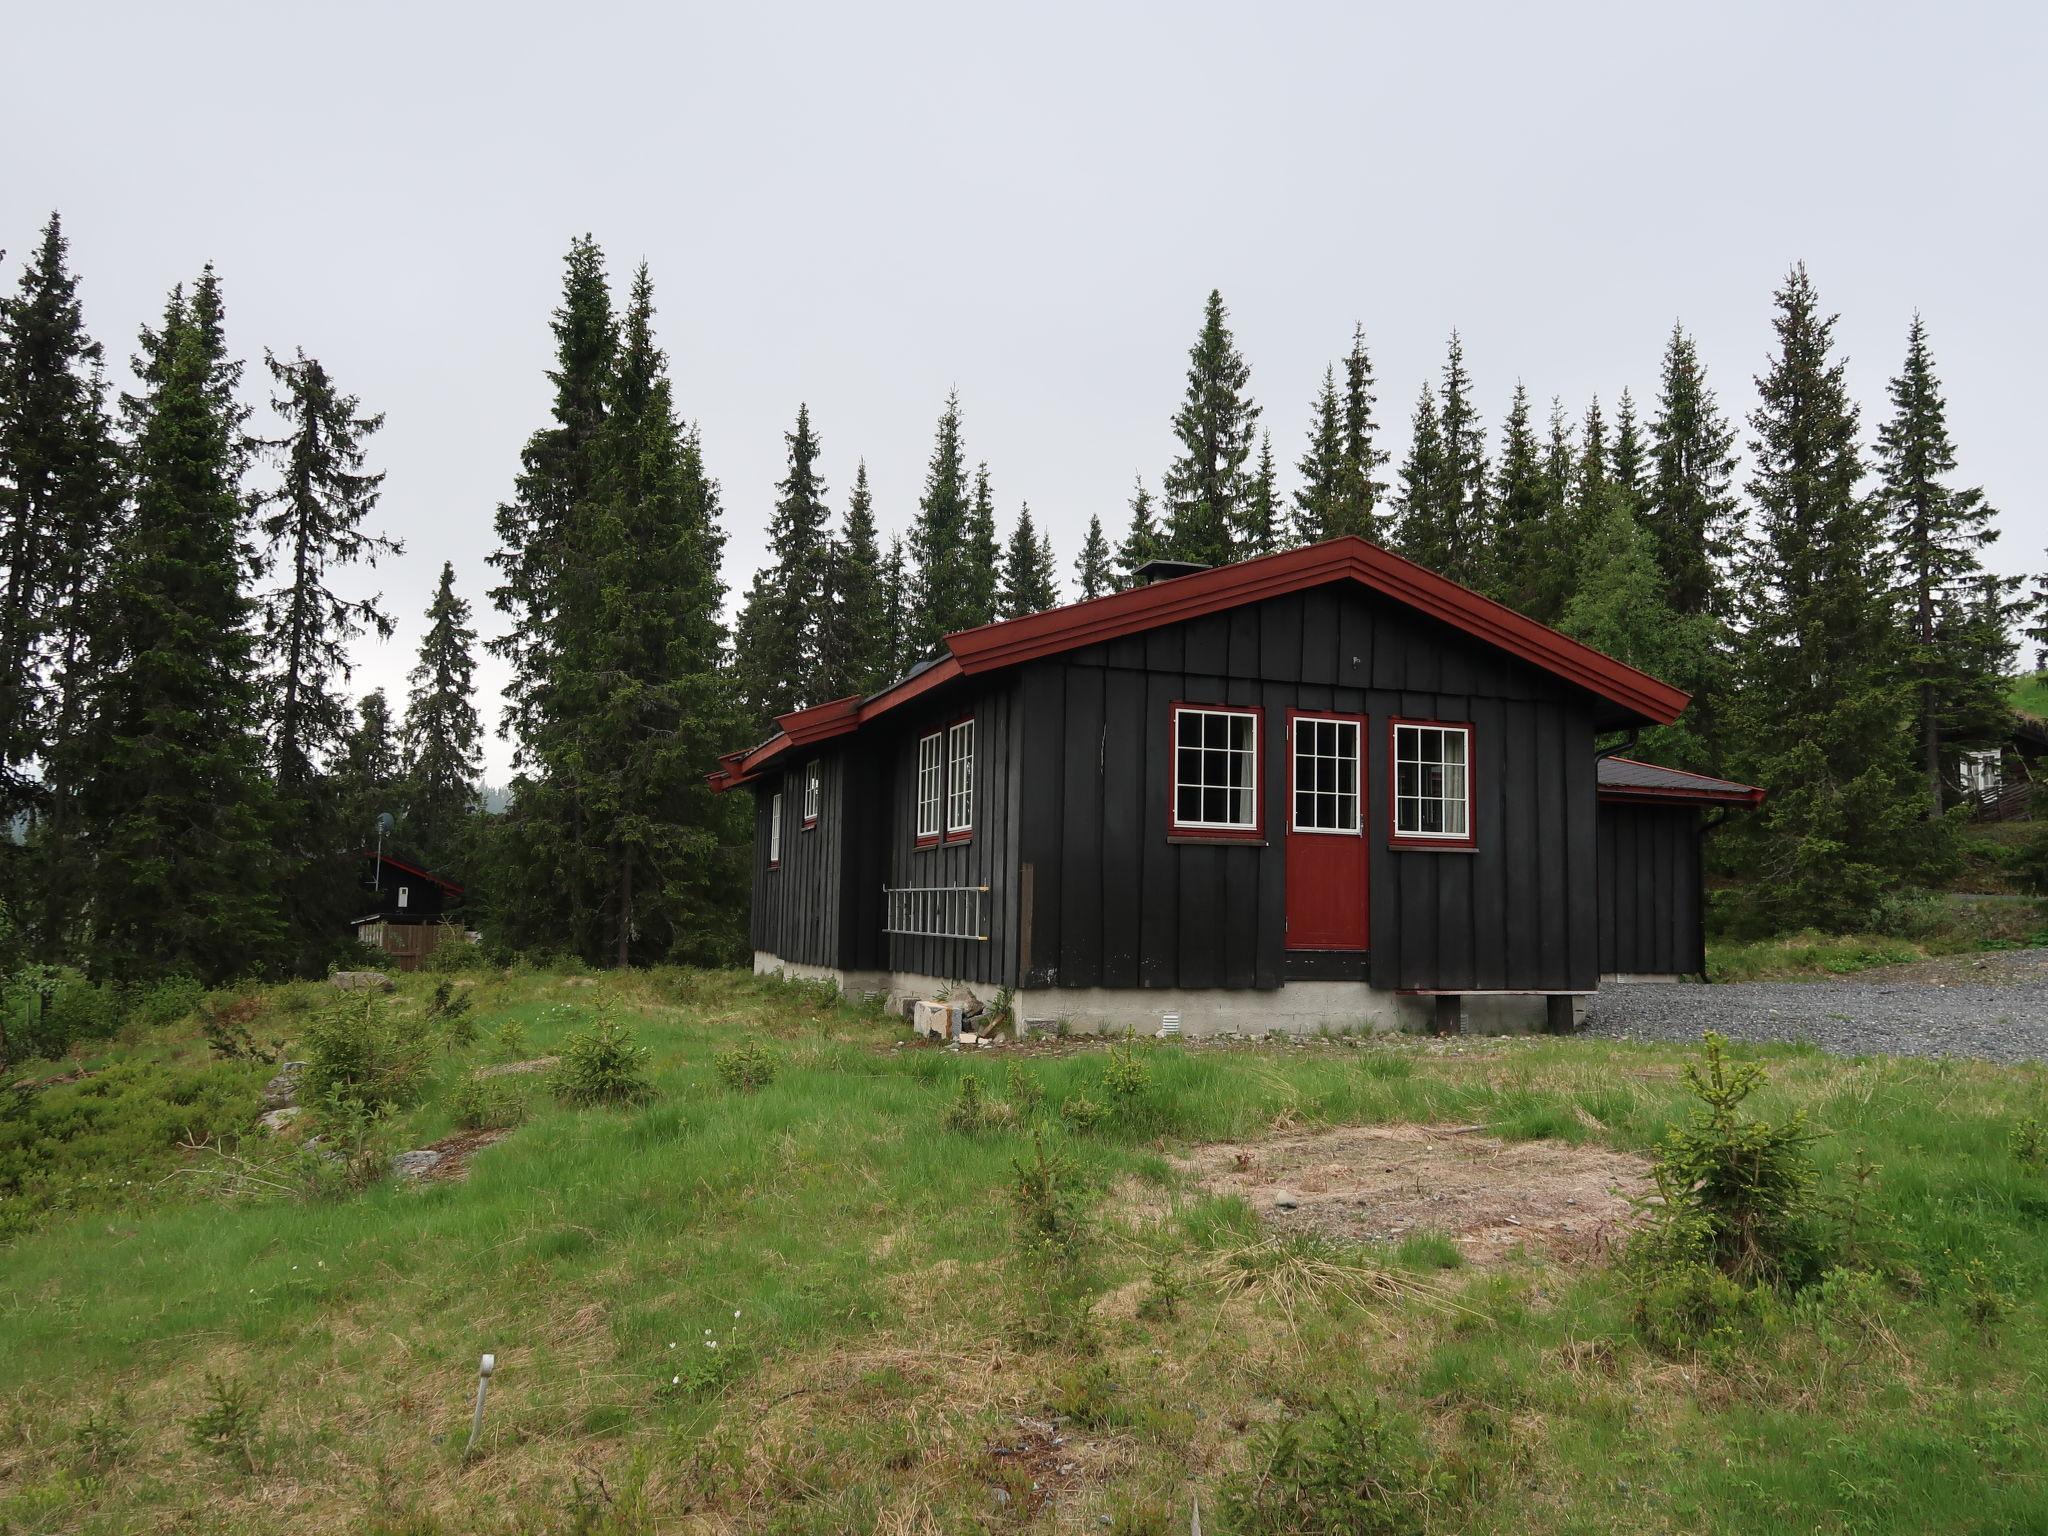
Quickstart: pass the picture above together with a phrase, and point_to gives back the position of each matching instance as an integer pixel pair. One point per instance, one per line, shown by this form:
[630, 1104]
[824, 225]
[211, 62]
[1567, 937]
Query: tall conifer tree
[443, 751]
[1319, 497]
[1520, 513]
[1214, 425]
[981, 571]
[1444, 516]
[1819, 716]
[781, 662]
[1361, 493]
[940, 600]
[172, 801]
[1142, 541]
[1936, 532]
[1262, 524]
[1030, 583]
[1091, 569]
[856, 654]
[895, 599]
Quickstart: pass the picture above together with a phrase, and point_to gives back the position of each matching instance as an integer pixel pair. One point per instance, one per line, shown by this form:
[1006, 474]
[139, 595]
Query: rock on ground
[282, 1091]
[277, 1119]
[363, 981]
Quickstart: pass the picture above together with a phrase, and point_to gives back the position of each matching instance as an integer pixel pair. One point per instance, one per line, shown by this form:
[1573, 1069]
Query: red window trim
[926, 839]
[1364, 765]
[948, 833]
[1177, 833]
[1411, 841]
[810, 822]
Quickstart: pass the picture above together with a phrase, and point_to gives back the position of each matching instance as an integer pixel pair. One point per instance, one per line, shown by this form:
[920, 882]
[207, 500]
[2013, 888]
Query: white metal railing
[936, 911]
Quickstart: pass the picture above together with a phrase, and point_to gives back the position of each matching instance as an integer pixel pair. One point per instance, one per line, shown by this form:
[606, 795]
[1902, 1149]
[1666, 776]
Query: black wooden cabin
[1325, 788]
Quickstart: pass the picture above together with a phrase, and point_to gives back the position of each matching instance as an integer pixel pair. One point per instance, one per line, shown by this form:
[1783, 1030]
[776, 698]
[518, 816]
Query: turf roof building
[1326, 788]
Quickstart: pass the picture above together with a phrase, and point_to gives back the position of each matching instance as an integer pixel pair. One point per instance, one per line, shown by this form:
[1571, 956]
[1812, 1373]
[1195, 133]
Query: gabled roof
[1624, 779]
[1640, 697]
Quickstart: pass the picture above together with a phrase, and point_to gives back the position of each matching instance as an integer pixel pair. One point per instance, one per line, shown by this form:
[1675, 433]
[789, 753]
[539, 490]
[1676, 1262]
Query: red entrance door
[1325, 834]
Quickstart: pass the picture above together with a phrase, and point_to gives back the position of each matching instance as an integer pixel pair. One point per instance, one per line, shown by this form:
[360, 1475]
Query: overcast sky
[863, 207]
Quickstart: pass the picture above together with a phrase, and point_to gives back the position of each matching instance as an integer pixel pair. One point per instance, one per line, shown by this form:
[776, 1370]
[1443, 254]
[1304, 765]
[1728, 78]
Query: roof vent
[1164, 570]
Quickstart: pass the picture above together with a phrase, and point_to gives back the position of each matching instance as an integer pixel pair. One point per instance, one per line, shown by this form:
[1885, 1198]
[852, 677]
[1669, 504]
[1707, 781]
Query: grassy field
[2029, 694]
[811, 1307]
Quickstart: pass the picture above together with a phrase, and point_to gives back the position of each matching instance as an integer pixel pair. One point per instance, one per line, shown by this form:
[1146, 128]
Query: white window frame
[811, 778]
[1202, 827]
[404, 897]
[960, 778]
[1356, 793]
[775, 829]
[1396, 758]
[931, 773]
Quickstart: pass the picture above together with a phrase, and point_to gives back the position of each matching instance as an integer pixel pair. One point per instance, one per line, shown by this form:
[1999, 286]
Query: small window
[774, 830]
[960, 779]
[1326, 759]
[404, 896]
[1433, 783]
[810, 796]
[931, 767]
[1215, 771]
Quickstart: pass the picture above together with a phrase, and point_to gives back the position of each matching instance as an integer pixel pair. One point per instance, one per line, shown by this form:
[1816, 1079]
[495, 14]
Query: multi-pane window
[1215, 770]
[811, 795]
[960, 778]
[1433, 782]
[1325, 775]
[774, 830]
[931, 769]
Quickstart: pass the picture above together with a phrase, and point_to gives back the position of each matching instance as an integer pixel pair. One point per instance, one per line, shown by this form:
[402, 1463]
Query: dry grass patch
[1385, 1183]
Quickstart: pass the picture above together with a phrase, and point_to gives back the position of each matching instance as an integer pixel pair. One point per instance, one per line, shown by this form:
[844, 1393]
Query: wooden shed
[1325, 788]
[408, 911]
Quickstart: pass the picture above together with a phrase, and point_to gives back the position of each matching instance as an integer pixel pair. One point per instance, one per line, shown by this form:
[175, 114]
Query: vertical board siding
[1116, 904]
[1650, 921]
[797, 906]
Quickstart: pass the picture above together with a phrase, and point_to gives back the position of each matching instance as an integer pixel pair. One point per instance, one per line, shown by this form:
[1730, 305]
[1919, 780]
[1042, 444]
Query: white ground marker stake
[483, 1380]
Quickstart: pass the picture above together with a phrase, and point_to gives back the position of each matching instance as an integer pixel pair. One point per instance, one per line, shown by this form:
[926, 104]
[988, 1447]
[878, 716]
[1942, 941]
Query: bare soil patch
[457, 1150]
[1387, 1182]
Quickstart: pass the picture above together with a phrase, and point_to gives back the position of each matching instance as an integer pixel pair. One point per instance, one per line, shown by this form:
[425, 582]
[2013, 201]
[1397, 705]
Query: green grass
[1928, 925]
[2029, 694]
[877, 1331]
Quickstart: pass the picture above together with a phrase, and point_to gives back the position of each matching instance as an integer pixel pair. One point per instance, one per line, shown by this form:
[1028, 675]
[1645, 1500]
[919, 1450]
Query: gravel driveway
[1992, 1006]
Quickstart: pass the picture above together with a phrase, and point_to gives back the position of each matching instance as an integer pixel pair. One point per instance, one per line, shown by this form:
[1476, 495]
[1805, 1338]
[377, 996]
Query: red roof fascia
[1231, 586]
[411, 869]
[821, 722]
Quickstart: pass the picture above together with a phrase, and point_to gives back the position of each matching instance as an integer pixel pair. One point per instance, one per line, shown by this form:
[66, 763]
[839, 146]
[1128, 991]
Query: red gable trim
[1013, 641]
[410, 869]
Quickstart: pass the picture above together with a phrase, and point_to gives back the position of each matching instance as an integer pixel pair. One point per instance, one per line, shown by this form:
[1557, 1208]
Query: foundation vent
[1169, 1026]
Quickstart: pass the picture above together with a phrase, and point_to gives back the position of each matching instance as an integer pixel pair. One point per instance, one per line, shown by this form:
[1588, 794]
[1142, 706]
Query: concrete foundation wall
[1299, 1008]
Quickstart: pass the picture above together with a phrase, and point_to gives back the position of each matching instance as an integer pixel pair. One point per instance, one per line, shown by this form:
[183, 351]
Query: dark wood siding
[1650, 918]
[1115, 903]
[797, 906]
[988, 857]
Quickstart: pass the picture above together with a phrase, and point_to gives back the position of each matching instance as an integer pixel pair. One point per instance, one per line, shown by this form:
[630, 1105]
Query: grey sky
[862, 208]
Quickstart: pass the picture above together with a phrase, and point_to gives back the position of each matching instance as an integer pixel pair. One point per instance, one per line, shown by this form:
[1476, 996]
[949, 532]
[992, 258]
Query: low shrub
[1344, 1470]
[349, 1152]
[509, 1040]
[974, 1110]
[1024, 1091]
[164, 1003]
[229, 1424]
[603, 1065]
[455, 954]
[1125, 1078]
[1164, 1292]
[226, 1021]
[487, 1103]
[745, 1067]
[360, 1052]
[104, 1436]
[1048, 1199]
[2029, 1142]
[1083, 1113]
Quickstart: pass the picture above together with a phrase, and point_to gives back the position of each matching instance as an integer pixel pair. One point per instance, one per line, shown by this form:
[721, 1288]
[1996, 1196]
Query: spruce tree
[782, 662]
[981, 571]
[1208, 478]
[1521, 514]
[558, 468]
[172, 804]
[1142, 542]
[59, 497]
[1092, 569]
[1421, 534]
[1691, 506]
[939, 597]
[1318, 500]
[1819, 718]
[1030, 584]
[312, 527]
[1936, 532]
[369, 782]
[1262, 524]
[443, 755]
[1445, 519]
[1628, 462]
[1361, 492]
[895, 602]
[856, 652]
